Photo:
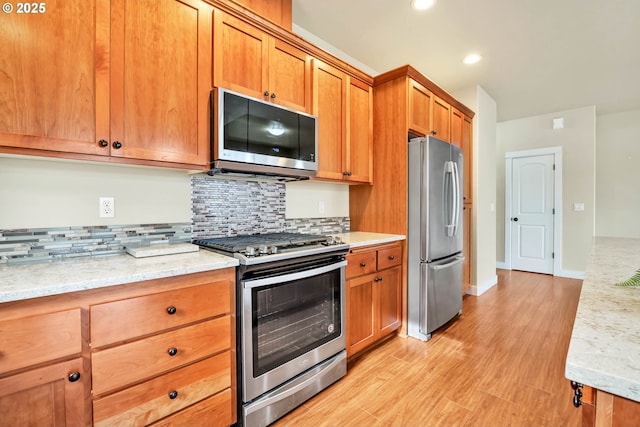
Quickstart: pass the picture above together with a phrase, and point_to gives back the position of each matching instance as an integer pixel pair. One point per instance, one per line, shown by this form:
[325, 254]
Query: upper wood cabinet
[343, 106]
[461, 128]
[127, 79]
[440, 125]
[420, 100]
[428, 114]
[250, 61]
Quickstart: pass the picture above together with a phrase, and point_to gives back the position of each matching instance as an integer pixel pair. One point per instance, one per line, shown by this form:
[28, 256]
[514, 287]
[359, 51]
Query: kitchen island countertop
[604, 351]
[19, 282]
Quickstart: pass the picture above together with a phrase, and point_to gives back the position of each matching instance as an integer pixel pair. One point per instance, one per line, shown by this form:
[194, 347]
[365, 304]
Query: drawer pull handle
[392, 257]
[171, 310]
[74, 376]
[363, 264]
[173, 394]
[173, 351]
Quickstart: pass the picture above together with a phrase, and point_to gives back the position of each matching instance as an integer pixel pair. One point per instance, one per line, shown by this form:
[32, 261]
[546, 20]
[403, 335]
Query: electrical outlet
[321, 206]
[107, 207]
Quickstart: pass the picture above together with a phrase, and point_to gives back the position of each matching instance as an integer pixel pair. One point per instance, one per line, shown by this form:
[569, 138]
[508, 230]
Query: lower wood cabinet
[159, 351]
[53, 395]
[374, 294]
[602, 409]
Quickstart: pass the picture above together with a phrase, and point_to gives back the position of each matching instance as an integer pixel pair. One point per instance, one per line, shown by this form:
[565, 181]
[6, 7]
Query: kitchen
[163, 196]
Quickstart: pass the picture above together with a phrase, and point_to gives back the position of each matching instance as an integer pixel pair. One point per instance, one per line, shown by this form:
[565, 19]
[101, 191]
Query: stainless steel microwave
[257, 137]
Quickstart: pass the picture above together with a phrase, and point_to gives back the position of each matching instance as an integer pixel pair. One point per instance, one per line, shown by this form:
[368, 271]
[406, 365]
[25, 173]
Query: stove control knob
[330, 241]
[273, 250]
[337, 240]
[250, 251]
[263, 250]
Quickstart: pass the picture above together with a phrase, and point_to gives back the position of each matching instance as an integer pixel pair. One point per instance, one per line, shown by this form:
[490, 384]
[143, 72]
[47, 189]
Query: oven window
[292, 318]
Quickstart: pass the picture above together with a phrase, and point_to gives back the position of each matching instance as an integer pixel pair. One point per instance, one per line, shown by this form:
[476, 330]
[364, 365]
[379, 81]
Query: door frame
[557, 201]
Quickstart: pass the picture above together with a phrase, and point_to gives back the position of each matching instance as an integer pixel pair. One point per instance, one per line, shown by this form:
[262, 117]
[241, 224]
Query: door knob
[514, 219]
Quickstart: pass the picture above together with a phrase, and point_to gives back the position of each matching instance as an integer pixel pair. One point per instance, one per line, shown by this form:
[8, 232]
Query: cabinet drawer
[150, 401]
[216, 410]
[32, 340]
[389, 257]
[360, 263]
[130, 318]
[135, 361]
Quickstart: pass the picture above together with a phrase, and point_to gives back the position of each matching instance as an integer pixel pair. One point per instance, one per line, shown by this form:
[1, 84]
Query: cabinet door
[456, 127]
[329, 104]
[240, 56]
[359, 150]
[55, 78]
[289, 76]
[46, 397]
[466, 248]
[161, 80]
[389, 299]
[419, 109]
[441, 112]
[360, 313]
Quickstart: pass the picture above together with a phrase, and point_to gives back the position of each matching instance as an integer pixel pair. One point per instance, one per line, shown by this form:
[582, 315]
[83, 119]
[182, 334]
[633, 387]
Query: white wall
[37, 193]
[618, 174]
[311, 199]
[577, 140]
[483, 213]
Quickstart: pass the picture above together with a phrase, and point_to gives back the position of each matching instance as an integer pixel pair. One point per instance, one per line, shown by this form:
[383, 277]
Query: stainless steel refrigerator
[435, 235]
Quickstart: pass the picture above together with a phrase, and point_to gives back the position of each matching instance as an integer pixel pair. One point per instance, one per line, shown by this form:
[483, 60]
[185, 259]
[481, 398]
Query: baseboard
[478, 290]
[502, 265]
[571, 274]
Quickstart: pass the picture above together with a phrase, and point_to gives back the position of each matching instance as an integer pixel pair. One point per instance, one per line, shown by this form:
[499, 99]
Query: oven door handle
[248, 284]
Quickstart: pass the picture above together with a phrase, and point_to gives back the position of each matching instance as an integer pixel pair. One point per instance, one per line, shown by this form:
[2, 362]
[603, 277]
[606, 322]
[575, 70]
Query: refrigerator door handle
[449, 169]
[457, 260]
[456, 197]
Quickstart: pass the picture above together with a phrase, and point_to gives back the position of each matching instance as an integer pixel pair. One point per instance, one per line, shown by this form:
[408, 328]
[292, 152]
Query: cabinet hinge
[553, 255]
[553, 211]
[554, 166]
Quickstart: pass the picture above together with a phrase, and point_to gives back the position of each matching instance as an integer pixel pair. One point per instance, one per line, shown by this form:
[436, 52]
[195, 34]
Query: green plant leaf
[633, 281]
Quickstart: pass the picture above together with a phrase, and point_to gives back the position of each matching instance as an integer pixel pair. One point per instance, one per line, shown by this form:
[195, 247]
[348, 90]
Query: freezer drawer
[443, 300]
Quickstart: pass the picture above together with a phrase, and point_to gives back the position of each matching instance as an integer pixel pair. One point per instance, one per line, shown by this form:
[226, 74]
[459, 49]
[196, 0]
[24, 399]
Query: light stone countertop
[18, 282]
[357, 239]
[604, 351]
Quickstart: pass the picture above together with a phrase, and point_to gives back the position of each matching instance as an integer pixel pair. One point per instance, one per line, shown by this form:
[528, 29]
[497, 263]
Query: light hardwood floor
[500, 364]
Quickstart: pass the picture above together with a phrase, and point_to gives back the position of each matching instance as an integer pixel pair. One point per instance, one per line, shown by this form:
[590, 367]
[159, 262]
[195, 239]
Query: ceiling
[538, 56]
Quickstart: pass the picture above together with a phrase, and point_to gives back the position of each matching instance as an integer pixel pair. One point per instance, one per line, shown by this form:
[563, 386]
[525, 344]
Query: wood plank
[501, 363]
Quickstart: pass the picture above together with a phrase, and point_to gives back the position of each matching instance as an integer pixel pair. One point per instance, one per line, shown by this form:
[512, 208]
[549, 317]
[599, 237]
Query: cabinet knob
[173, 394]
[171, 310]
[514, 219]
[74, 376]
[392, 257]
[273, 95]
[173, 351]
[378, 279]
[266, 93]
[363, 264]
[117, 144]
[577, 402]
[103, 143]
[433, 132]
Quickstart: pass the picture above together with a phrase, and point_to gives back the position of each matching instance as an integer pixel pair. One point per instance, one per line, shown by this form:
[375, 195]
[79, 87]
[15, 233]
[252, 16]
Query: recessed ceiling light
[472, 58]
[422, 4]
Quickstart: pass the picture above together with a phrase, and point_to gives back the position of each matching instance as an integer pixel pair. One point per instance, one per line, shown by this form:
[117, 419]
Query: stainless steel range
[290, 319]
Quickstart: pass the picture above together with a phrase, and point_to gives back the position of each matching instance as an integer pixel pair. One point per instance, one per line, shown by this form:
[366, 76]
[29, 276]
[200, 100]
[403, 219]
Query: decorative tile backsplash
[37, 245]
[219, 207]
[226, 207]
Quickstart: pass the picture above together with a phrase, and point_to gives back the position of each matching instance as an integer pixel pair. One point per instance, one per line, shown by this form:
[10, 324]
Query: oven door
[290, 323]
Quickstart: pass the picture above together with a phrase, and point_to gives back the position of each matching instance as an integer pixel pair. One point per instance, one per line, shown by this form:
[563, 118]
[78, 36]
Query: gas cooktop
[261, 248]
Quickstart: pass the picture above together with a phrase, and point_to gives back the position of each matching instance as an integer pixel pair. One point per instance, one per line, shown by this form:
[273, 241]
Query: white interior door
[532, 213]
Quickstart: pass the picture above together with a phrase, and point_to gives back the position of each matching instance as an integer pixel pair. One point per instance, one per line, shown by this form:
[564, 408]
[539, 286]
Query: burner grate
[240, 243]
